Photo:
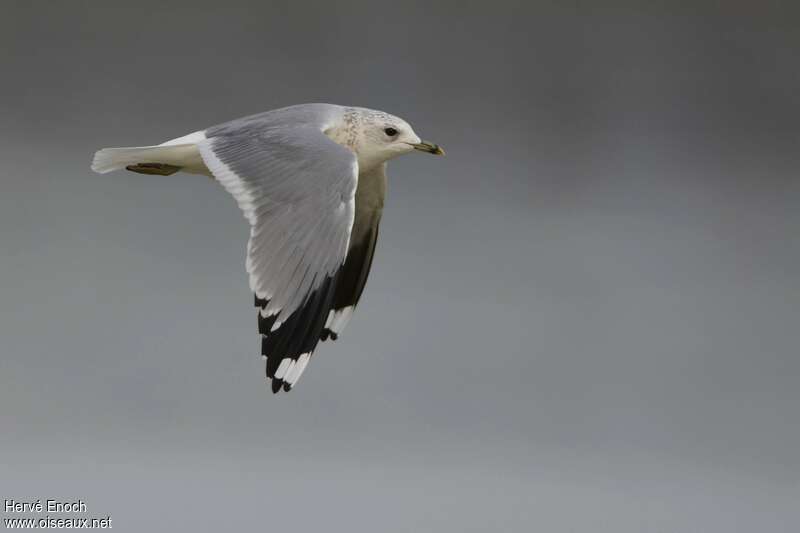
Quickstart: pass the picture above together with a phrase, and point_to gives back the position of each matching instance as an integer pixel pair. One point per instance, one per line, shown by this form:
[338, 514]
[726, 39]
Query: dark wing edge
[353, 278]
[370, 194]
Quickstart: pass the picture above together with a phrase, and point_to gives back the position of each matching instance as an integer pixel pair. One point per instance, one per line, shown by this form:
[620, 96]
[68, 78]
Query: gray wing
[297, 188]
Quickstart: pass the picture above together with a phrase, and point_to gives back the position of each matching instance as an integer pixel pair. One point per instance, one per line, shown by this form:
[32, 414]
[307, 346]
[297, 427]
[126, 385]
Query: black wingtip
[328, 334]
[279, 385]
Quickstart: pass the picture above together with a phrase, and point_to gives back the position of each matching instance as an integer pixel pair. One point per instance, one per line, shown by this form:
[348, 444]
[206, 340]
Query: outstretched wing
[297, 188]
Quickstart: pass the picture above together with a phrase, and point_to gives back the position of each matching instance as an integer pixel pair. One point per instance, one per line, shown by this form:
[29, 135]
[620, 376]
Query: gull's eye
[391, 132]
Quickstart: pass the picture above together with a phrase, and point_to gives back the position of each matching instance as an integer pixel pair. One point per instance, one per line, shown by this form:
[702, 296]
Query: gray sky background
[585, 318]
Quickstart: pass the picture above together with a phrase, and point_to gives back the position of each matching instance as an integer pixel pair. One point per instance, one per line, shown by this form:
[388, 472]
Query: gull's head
[377, 137]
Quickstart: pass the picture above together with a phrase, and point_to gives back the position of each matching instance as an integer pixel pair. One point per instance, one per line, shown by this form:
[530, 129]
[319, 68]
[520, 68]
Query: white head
[376, 136]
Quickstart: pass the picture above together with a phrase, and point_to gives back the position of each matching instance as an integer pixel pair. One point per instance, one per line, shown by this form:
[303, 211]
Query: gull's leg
[162, 169]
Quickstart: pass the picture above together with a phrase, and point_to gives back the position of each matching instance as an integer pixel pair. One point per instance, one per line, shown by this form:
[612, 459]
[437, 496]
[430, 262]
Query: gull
[311, 180]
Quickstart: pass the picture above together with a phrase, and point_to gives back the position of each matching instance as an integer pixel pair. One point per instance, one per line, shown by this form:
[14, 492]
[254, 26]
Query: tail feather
[181, 153]
[109, 159]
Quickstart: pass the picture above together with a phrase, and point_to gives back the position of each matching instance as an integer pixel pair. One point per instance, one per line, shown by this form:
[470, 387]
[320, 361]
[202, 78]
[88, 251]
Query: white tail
[109, 159]
[181, 152]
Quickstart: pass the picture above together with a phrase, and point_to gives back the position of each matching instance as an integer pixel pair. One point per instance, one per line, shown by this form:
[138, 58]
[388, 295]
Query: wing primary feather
[300, 333]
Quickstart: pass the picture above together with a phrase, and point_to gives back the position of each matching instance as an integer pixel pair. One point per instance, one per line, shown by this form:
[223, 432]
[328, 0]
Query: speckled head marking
[374, 136]
[351, 126]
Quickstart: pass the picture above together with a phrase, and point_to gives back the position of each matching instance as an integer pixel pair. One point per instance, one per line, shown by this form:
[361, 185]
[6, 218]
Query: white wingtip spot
[338, 319]
[297, 369]
[331, 316]
[284, 367]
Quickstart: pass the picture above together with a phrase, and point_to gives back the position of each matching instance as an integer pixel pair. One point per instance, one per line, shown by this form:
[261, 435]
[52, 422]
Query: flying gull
[311, 181]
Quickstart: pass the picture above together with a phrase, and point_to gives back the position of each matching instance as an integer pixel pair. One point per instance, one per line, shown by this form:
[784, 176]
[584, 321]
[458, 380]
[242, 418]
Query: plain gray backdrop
[586, 317]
